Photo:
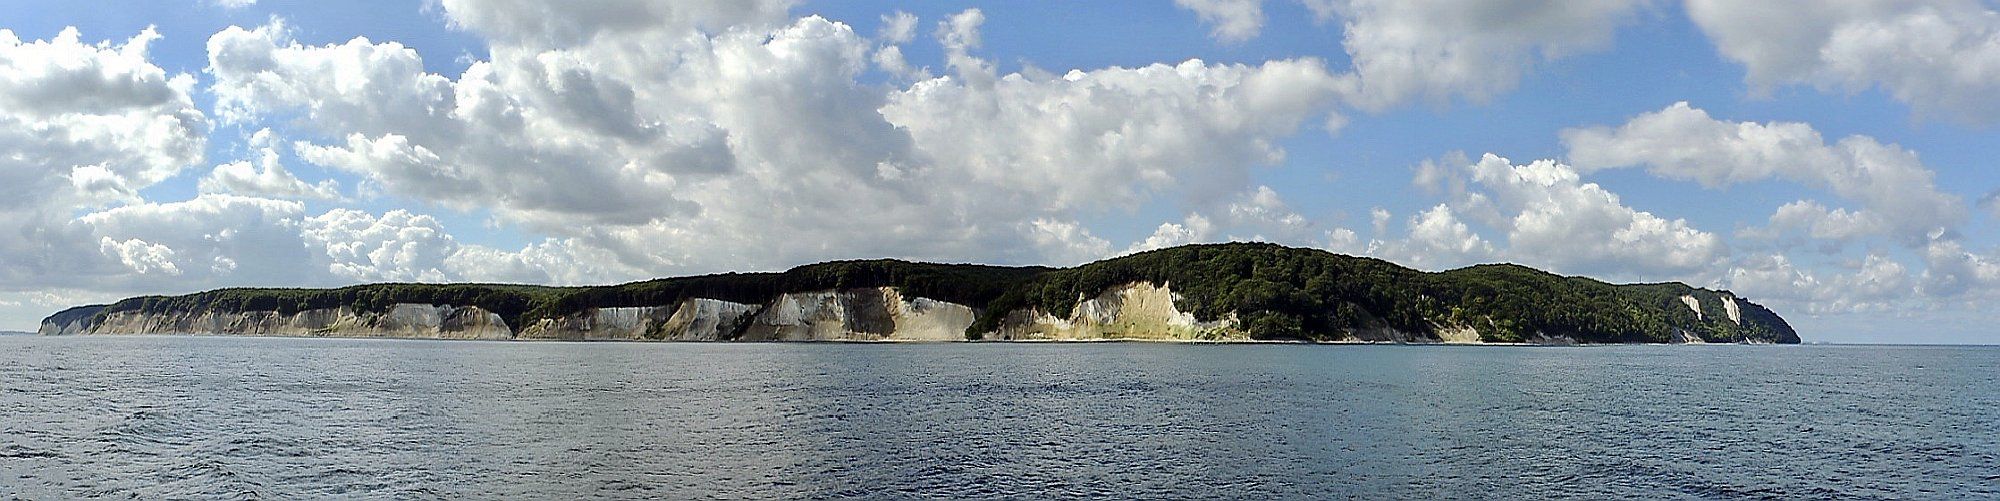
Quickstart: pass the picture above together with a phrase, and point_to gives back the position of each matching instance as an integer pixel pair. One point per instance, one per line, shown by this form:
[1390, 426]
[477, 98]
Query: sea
[159, 417]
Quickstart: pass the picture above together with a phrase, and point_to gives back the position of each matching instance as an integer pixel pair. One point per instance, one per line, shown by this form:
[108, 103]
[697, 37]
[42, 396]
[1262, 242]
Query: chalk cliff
[1132, 311]
[399, 321]
[1236, 291]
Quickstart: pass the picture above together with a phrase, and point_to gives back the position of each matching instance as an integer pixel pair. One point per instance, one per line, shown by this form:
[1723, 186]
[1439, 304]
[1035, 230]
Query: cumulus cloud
[1439, 50]
[1874, 283]
[1892, 194]
[1437, 240]
[1552, 218]
[397, 246]
[1941, 57]
[550, 261]
[736, 140]
[216, 240]
[1896, 192]
[139, 256]
[1229, 20]
[1195, 228]
[85, 126]
[1953, 271]
[1066, 242]
[268, 177]
[470, 143]
[537, 23]
[1812, 221]
[211, 239]
[898, 28]
[1110, 136]
[1256, 215]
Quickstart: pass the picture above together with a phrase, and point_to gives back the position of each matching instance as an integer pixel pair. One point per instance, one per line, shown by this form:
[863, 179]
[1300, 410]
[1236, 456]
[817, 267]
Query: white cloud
[1437, 50]
[267, 177]
[1772, 277]
[1683, 142]
[96, 182]
[397, 246]
[959, 34]
[1109, 136]
[206, 241]
[1953, 271]
[1875, 283]
[898, 28]
[1066, 242]
[551, 261]
[84, 126]
[1437, 240]
[1812, 220]
[217, 240]
[233, 4]
[139, 256]
[1229, 20]
[1894, 194]
[757, 146]
[1196, 228]
[1259, 214]
[1554, 220]
[1262, 215]
[470, 143]
[534, 22]
[890, 60]
[1878, 281]
[1344, 241]
[1940, 56]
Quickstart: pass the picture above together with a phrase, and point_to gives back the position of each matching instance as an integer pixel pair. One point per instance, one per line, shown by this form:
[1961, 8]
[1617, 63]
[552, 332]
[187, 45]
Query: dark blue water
[180, 417]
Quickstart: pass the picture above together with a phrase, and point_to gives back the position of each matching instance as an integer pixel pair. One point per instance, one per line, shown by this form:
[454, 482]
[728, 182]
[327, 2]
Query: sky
[1828, 159]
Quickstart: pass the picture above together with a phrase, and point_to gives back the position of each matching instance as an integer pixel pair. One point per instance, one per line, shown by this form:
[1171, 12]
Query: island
[1240, 292]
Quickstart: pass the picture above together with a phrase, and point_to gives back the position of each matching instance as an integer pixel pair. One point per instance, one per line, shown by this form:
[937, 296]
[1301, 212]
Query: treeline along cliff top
[1221, 291]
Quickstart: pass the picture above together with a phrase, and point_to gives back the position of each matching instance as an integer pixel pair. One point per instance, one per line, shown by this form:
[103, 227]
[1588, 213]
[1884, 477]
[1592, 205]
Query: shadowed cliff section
[1210, 291]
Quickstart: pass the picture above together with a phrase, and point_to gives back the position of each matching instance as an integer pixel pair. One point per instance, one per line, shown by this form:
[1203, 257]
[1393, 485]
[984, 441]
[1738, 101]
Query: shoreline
[926, 341]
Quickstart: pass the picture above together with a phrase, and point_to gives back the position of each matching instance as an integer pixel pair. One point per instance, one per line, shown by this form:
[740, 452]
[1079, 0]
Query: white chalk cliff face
[1140, 310]
[1132, 311]
[872, 314]
[1693, 304]
[692, 320]
[400, 321]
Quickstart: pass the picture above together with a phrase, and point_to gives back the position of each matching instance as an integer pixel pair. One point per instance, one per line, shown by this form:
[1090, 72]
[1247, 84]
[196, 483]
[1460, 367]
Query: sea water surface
[251, 418]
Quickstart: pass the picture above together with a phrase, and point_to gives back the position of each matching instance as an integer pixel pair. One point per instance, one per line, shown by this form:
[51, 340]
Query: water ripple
[244, 418]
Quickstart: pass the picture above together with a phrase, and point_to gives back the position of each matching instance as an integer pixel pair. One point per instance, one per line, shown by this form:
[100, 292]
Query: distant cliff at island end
[1219, 292]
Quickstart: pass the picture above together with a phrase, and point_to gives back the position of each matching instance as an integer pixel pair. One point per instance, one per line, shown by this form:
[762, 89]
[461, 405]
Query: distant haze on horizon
[1832, 160]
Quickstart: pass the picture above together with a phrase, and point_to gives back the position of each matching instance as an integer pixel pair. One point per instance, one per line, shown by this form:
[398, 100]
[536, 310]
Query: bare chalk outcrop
[398, 321]
[1137, 310]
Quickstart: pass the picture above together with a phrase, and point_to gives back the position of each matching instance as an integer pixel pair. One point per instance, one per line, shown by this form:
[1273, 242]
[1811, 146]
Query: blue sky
[1832, 165]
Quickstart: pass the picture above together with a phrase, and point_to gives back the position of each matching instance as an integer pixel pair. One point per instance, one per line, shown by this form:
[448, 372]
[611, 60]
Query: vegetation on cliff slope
[1274, 292]
[1282, 292]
